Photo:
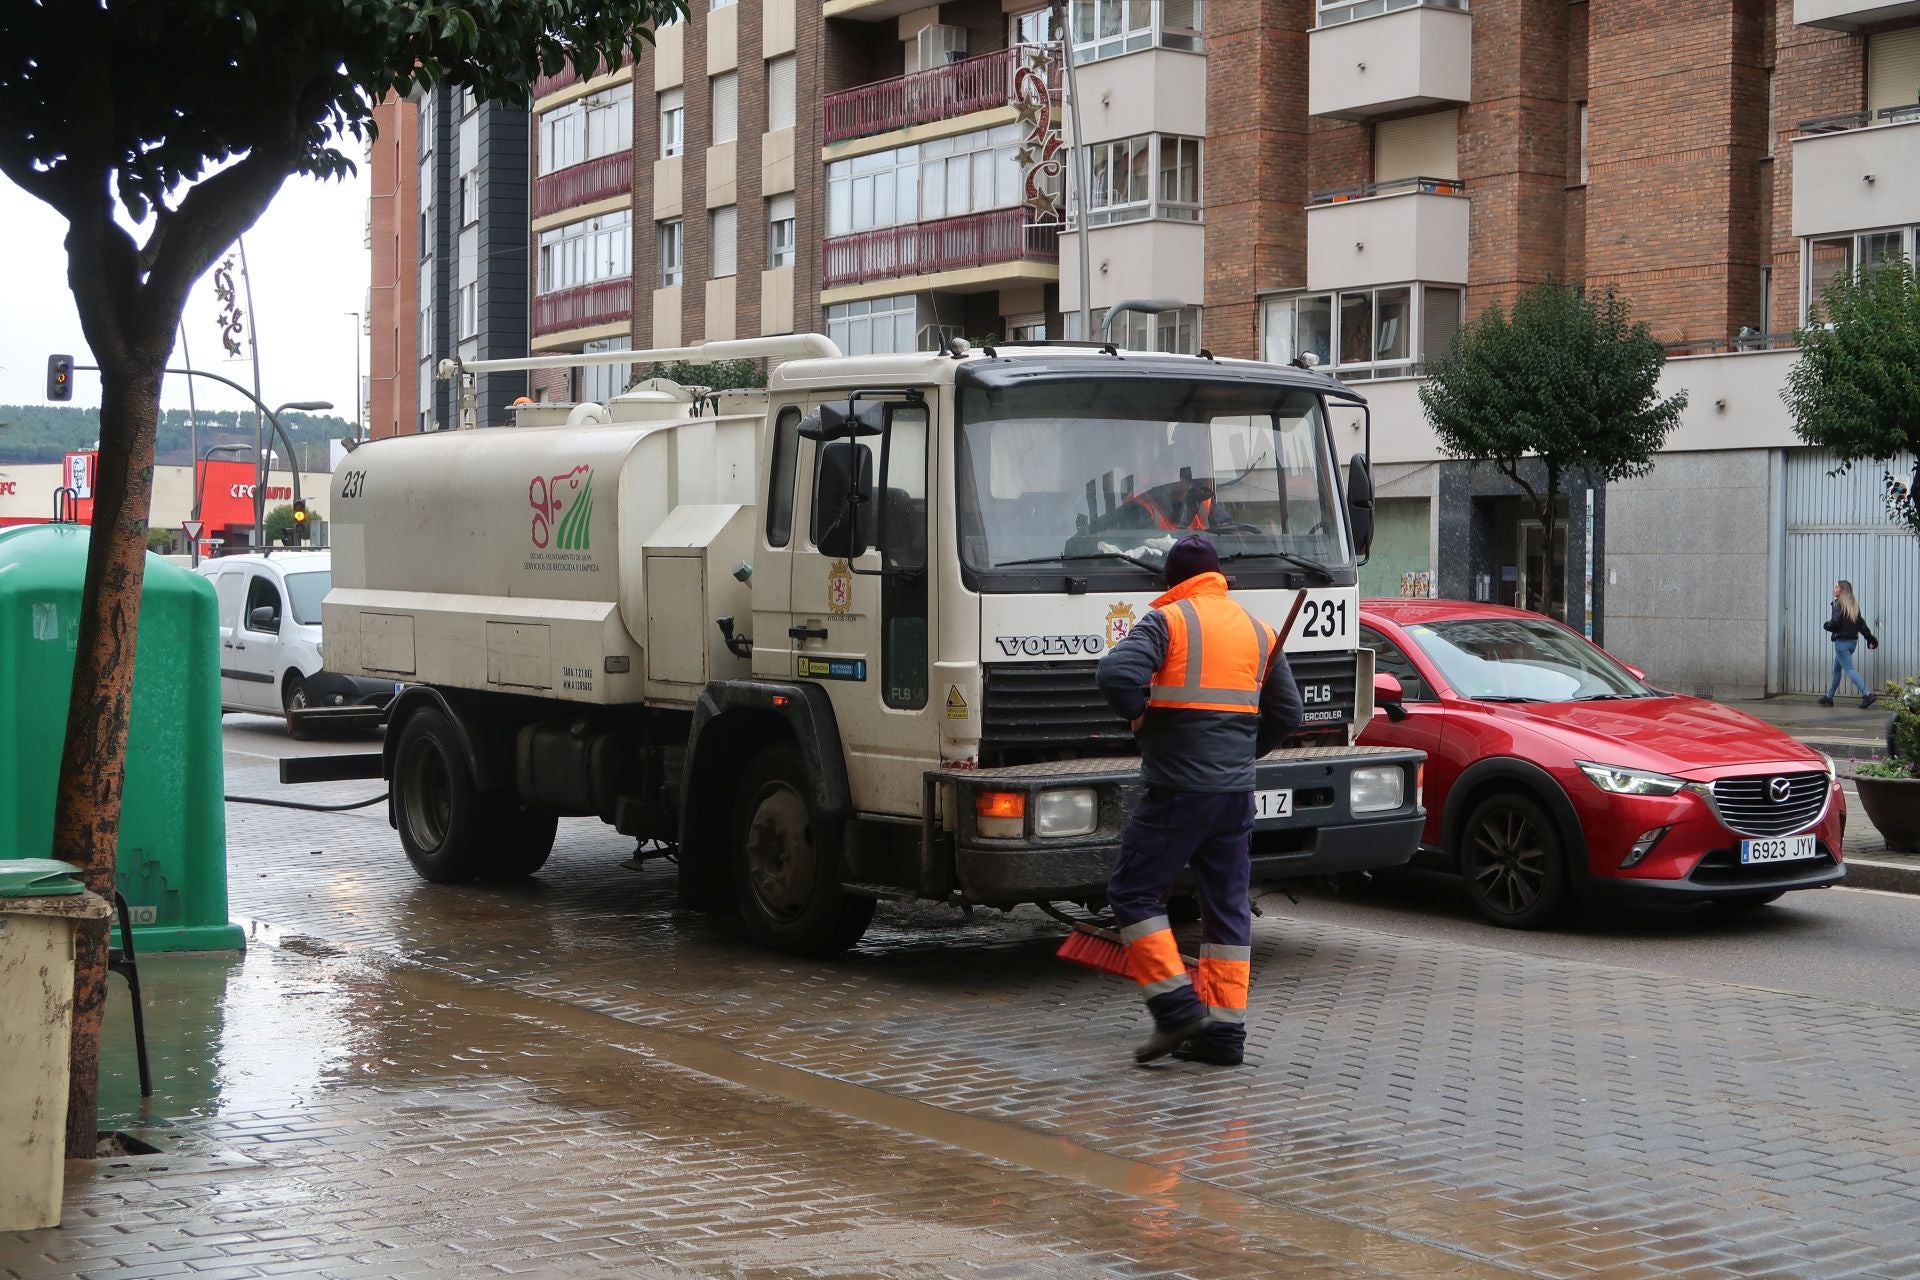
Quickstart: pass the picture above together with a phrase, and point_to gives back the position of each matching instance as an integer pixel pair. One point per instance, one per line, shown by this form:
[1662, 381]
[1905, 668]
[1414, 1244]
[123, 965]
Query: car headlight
[1377, 787]
[1066, 812]
[1631, 782]
[1833, 769]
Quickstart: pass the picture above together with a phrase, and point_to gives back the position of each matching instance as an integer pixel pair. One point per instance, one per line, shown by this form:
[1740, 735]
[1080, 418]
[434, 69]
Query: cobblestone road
[1414, 1107]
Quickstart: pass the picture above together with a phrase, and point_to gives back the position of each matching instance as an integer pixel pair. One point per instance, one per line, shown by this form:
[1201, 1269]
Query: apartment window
[1123, 183]
[940, 179]
[876, 327]
[1033, 26]
[723, 231]
[1425, 146]
[1582, 147]
[1333, 12]
[1766, 301]
[1027, 328]
[672, 252]
[781, 240]
[587, 128]
[1773, 107]
[724, 94]
[469, 310]
[673, 122]
[719, 4]
[780, 99]
[1109, 28]
[1825, 259]
[1171, 331]
[599, 383]
[587, 252]
[1893, 70]
[469, 198]
[1392, 331]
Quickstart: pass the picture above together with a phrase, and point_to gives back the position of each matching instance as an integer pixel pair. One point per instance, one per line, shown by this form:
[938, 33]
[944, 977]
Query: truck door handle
[807, 633]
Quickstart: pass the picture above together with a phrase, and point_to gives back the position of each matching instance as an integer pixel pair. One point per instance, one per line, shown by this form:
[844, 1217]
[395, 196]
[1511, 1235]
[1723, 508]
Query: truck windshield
[1122, 469]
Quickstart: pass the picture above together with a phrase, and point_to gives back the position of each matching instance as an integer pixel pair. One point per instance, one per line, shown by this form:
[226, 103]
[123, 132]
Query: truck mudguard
[808, 715]
[412, 699]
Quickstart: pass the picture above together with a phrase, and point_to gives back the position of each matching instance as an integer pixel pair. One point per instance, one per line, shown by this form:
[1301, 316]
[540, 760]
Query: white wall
[1410, 58]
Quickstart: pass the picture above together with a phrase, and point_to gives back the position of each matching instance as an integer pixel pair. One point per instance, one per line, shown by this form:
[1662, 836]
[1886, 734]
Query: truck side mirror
[842, 498]
[1360, 504]
[835, 420]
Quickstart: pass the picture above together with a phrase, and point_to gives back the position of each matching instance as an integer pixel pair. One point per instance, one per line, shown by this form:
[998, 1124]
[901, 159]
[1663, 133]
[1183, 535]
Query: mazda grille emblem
[1779, 789]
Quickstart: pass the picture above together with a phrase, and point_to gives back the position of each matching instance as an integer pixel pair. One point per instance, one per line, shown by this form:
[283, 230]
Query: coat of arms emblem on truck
[565, 500]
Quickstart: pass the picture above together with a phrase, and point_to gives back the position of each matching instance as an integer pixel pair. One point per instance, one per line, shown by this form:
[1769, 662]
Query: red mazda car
[1556, 773]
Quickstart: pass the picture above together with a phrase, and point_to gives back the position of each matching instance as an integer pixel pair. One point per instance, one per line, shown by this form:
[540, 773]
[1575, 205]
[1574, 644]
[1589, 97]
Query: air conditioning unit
[937, 45]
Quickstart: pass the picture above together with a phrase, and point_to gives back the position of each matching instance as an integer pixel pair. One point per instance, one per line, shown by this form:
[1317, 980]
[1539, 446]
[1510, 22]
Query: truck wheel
[442, 825]
[787, 864]
[293, 697]
[518, 843]
[1514, 862]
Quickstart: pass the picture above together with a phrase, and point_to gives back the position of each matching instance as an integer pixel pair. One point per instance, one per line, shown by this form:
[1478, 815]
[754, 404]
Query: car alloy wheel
[1511, 856]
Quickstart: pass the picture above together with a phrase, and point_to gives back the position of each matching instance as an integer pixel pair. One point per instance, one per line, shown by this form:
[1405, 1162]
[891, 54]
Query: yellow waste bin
[42, 903]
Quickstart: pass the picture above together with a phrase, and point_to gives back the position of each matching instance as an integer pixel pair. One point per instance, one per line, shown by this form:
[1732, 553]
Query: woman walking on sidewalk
[1846, 627]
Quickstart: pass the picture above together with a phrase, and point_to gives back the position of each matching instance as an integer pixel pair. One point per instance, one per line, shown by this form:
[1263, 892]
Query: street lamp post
[359, 396]
[293, 457]
[200, 485]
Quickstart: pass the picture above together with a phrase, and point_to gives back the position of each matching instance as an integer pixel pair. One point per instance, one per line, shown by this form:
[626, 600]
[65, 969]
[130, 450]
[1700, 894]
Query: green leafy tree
[1568, 379]
[719, 375]
[1856, 388]
[277, 523]
[159, 540]
[160, 130]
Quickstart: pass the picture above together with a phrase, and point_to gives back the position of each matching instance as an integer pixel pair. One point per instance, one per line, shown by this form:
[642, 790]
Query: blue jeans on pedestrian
[1843, 664]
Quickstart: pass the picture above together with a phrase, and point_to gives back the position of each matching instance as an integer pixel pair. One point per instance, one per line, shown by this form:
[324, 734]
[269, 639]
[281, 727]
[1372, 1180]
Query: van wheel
[1514, 862]
[440, 819]
[293, 697]
[787, 864]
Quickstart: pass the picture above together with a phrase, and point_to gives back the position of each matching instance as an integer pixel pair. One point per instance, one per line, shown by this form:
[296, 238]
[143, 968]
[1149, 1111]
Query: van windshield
[305, 591]
[1072, 469]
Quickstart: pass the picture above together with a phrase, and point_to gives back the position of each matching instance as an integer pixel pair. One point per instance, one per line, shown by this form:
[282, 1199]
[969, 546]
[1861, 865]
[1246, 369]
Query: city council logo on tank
[562, 510]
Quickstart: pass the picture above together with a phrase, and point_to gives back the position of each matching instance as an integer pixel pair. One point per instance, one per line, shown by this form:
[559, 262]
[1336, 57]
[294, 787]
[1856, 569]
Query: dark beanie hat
[1190, 557]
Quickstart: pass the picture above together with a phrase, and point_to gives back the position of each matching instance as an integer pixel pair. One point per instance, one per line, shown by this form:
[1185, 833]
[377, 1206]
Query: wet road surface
[574, 1076]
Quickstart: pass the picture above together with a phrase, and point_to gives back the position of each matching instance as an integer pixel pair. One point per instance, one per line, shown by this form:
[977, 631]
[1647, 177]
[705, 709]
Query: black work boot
[1165, 1041]
[1212, 1052]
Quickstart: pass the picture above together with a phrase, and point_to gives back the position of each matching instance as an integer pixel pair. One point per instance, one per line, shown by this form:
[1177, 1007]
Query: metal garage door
[1837, 527]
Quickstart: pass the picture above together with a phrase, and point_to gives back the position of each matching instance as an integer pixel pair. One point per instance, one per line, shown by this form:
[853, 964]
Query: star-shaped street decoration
[1046, 205]
[1028, 154]
[1037, 56]
[1028, 111]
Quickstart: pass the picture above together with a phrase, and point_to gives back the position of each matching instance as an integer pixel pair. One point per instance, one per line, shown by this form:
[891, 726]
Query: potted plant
[1890, 788]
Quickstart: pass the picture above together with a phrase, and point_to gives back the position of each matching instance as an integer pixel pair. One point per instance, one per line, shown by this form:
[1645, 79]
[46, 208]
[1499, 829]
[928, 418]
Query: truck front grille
[1328, 683]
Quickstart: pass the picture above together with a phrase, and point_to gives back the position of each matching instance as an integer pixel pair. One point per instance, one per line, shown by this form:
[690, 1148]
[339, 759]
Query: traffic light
[59, 377]
[301, 526]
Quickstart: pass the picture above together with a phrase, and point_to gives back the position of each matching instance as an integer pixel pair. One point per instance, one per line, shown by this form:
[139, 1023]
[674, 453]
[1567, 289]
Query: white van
[270, 651]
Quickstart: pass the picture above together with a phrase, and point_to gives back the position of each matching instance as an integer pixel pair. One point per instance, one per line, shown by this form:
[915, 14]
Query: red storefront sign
[226, 493]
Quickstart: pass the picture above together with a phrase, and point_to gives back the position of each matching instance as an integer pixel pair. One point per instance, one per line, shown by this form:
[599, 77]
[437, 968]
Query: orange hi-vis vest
[1217, 652]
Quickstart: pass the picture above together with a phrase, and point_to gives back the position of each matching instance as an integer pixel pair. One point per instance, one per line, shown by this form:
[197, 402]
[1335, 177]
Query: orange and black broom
[1101, 948]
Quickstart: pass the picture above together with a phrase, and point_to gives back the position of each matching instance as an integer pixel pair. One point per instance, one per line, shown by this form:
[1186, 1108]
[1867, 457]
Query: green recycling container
[173, 835]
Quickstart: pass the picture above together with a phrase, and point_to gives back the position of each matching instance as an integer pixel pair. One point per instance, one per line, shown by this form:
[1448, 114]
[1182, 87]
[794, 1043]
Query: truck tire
[787, 863]
[520, 842]
[441, 820]
[1514, 862]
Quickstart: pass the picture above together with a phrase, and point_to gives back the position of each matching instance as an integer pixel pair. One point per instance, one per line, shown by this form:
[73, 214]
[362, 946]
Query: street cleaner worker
[1208, 691]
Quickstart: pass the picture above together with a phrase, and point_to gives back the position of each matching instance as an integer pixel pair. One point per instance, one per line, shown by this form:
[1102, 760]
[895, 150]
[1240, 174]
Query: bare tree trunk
[86, 826]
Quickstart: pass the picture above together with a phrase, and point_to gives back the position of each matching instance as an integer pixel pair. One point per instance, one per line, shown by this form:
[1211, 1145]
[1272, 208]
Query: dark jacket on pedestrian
[1182, 749]
[1841, 627]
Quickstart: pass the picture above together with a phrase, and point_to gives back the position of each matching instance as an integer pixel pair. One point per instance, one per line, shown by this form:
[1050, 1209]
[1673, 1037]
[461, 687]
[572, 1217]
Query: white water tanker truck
[834, 642]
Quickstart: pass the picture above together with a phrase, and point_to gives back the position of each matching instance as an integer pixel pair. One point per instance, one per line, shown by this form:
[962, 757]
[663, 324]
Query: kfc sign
[80, 474]
[274, 492]
[9, 488]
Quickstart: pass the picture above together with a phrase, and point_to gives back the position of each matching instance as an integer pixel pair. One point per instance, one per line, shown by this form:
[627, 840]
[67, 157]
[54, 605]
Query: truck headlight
[1376, 788]
[1071, 812]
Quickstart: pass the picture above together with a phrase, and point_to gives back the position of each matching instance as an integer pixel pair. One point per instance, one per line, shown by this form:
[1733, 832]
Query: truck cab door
[782, 539]
[861, 626]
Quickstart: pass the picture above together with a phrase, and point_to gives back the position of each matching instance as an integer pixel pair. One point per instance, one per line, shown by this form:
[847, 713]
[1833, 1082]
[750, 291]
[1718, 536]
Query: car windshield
[1124, 468]
[306, 590]
[1522, 660]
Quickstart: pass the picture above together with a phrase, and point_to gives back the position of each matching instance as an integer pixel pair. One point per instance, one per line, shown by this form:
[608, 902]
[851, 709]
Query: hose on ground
[312, 808]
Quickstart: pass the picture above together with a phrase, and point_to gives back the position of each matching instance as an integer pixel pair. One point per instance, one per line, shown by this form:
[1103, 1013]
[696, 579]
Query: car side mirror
[264, 618]
[844, 495]
[1360, 504]
[1389, 696]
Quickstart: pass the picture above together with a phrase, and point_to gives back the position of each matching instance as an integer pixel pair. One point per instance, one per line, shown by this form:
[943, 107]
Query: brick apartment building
[1349, 178]
[393, 240]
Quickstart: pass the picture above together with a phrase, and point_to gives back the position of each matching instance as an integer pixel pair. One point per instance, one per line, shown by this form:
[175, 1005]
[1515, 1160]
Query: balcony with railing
[1403, 229]
[577, 184]
[565, 76]
[1368, 58]
[605, 302]
[941, 93]
[998, 236]
[1851, 15]
[1856, 170]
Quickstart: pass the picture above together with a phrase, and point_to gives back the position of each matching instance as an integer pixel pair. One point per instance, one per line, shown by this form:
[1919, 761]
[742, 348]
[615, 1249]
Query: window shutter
[1893, 69]
[1418, 147]
[725, 98]
[780, 93]
[725, 251]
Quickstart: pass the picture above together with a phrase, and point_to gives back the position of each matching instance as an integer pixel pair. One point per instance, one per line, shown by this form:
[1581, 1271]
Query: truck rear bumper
[1321, 836]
